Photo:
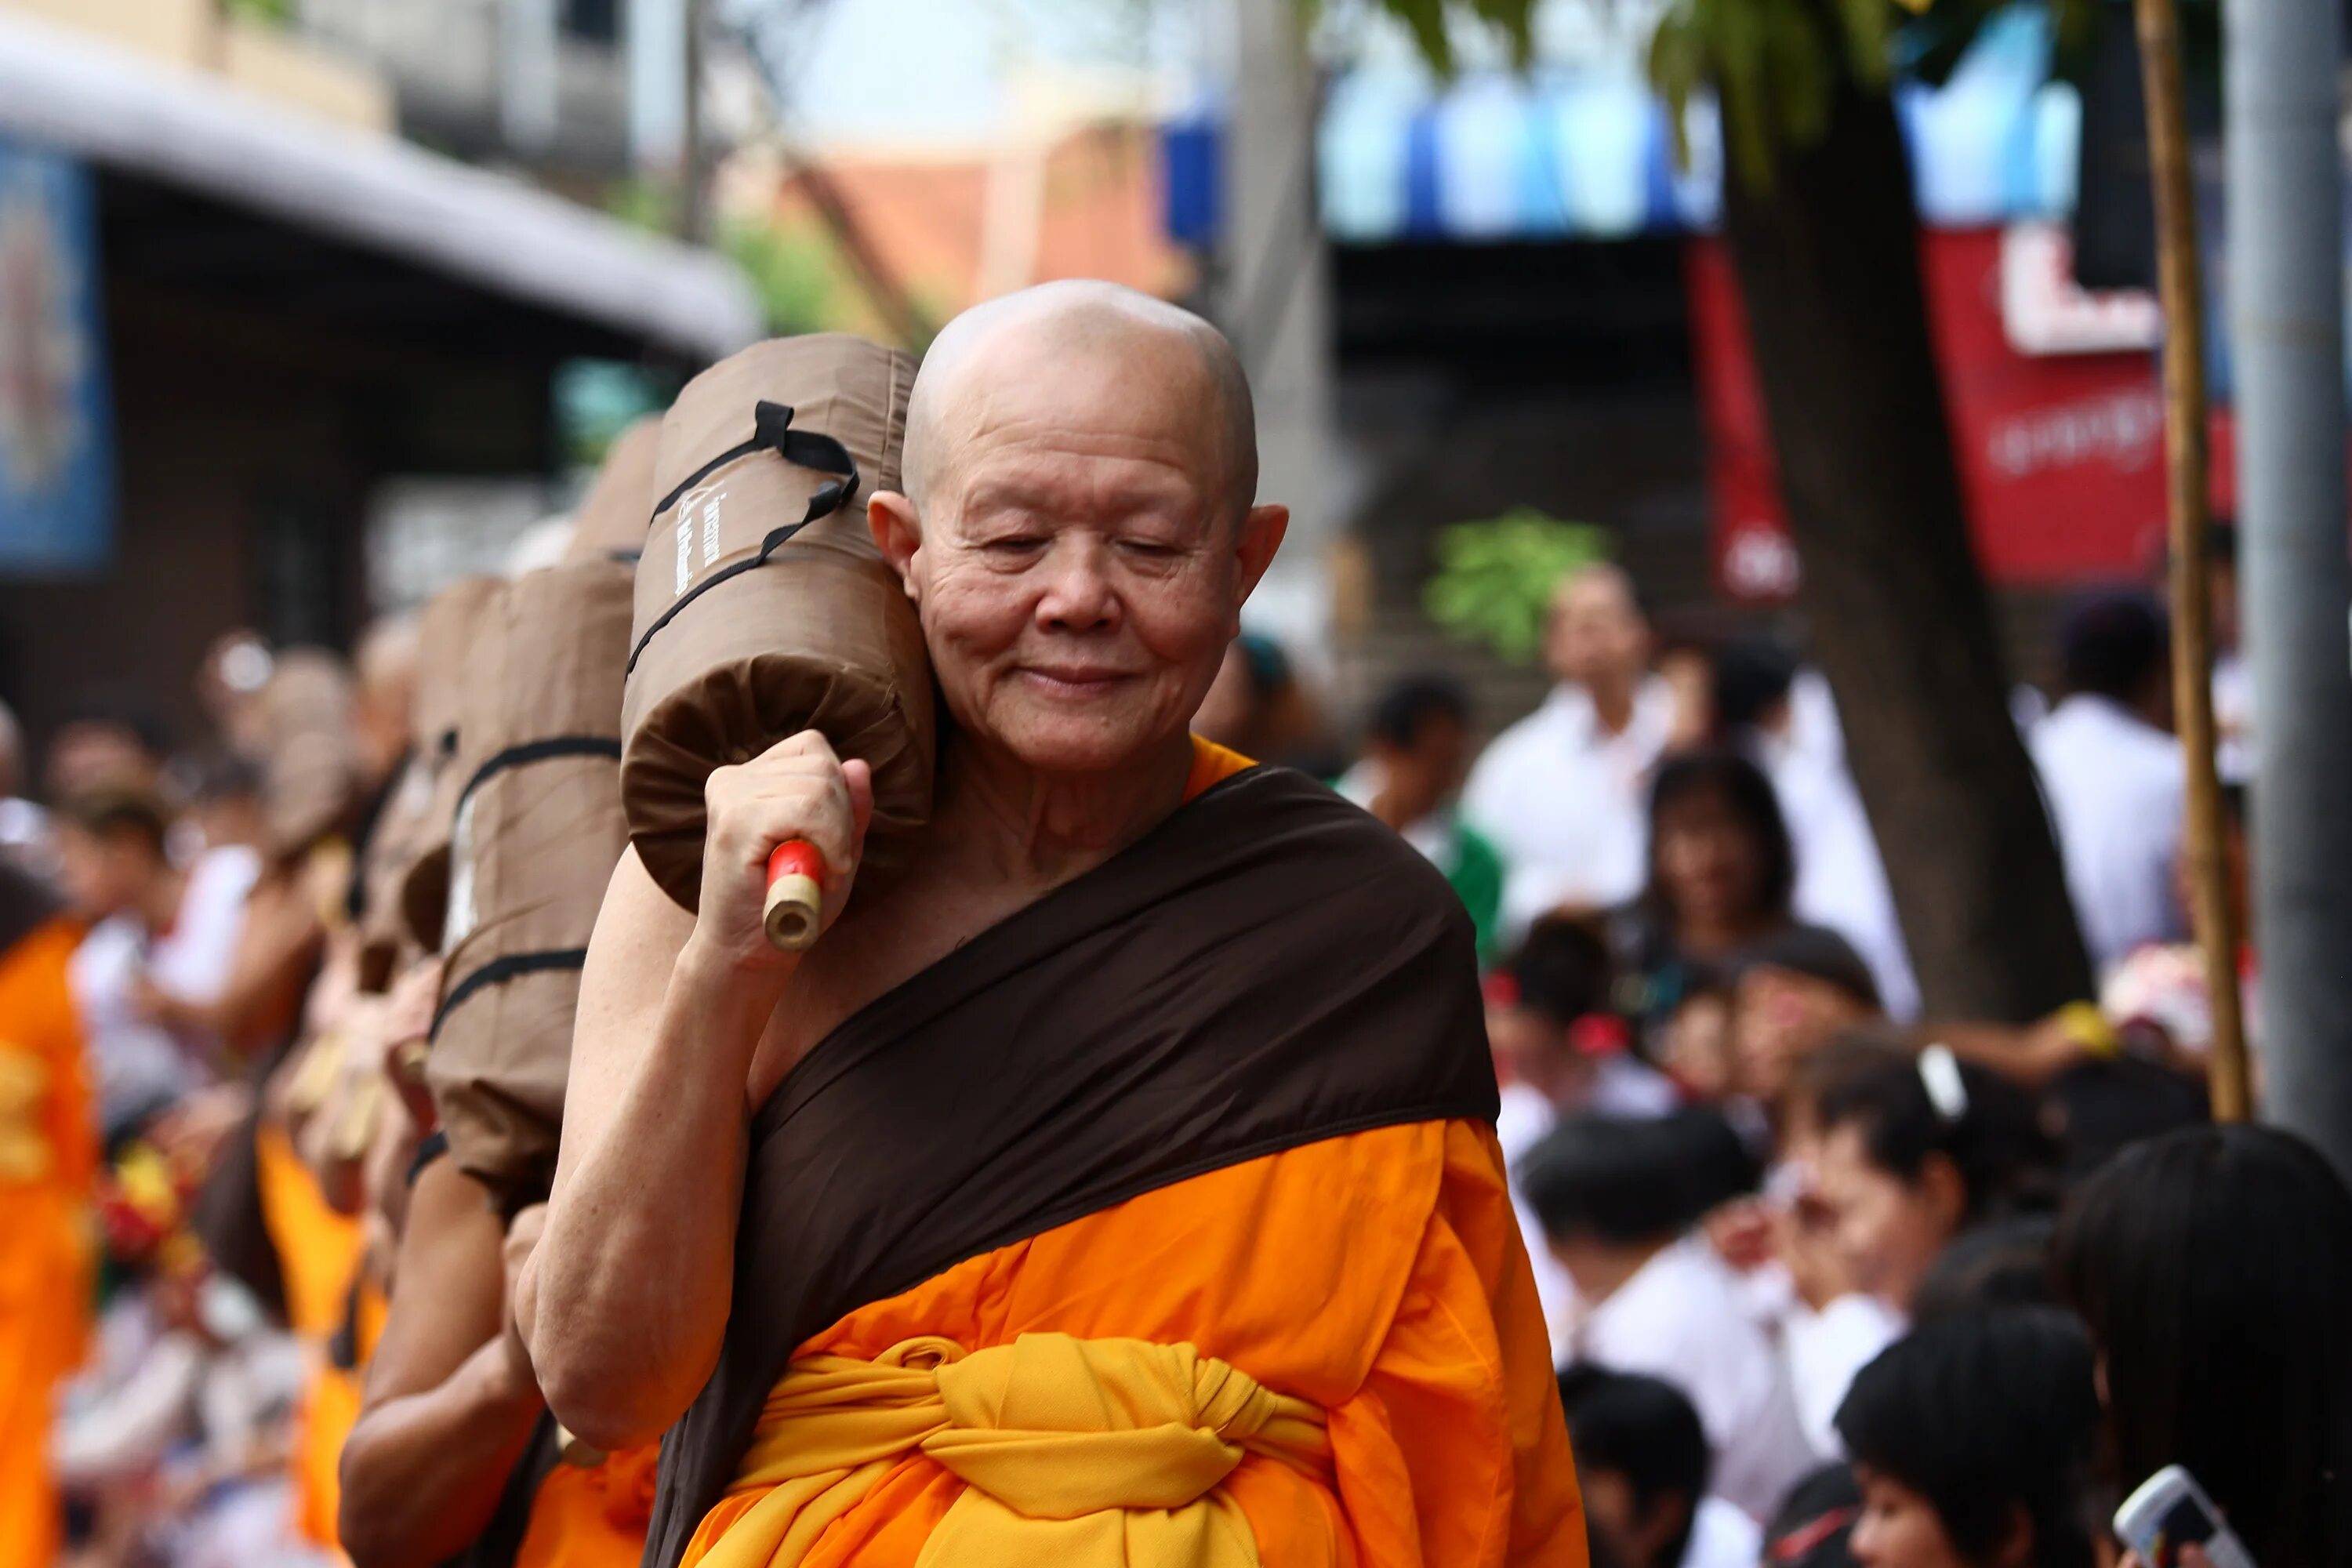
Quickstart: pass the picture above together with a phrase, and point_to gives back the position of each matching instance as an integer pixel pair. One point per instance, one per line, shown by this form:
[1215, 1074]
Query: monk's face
[1077, 558]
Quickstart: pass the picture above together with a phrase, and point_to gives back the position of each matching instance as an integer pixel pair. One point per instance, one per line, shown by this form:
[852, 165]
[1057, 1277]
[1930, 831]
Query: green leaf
[1494, 579]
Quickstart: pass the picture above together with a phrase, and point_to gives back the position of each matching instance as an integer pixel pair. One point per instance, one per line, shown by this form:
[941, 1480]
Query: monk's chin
[1078, 742]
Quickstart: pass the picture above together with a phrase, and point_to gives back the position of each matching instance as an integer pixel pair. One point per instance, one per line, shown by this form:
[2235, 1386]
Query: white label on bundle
[684, 550]
[710, 527]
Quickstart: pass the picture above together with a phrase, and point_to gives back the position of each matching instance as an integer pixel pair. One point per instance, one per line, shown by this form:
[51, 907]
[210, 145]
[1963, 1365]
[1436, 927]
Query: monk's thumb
[858, 774]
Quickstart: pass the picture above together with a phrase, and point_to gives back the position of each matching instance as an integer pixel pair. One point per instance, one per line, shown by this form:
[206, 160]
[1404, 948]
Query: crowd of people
[1826, 1280]
[1820, 1270]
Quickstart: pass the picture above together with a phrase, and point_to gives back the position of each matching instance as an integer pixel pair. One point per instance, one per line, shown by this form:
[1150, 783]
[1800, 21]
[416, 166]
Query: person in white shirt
[1785, 717]
[1618, 1200]
[1641, 1464]
[2114, 779]
[157, 954]
[1564, 792]
[1558, 1050]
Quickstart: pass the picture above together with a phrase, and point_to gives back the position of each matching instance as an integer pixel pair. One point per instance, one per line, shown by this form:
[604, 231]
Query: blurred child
[1641, 1464]
[1619, 1201]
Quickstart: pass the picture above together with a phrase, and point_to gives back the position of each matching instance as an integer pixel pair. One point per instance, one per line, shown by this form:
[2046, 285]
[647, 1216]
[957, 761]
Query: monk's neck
[1017, 821]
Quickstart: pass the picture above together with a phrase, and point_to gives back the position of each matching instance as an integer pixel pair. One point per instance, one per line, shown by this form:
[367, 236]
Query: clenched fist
[797, 788]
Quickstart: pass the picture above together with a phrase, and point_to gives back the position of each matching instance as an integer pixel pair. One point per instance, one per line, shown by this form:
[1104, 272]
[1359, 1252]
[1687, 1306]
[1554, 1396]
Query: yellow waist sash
[1083, 1453]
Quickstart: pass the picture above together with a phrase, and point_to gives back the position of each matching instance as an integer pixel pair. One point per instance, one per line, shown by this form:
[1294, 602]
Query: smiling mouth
[1074, 682]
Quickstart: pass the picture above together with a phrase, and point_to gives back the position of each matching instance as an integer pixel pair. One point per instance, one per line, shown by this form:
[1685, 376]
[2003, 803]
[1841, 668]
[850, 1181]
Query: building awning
[1586, 153]
[177, 127]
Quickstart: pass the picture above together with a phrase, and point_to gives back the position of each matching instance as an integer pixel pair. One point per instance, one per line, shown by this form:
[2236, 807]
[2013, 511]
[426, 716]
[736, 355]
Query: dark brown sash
[1268, 968]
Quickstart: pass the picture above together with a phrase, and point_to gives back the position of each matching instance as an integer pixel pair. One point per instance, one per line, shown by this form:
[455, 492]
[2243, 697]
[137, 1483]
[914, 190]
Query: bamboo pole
[2180, 281]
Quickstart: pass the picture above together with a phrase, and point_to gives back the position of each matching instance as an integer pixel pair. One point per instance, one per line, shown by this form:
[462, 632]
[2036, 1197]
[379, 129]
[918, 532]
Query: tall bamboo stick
[2179, 277]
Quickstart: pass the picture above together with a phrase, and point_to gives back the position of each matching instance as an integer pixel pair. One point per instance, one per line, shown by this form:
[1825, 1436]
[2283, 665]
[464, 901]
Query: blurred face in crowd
[1783, 1017]
[104, 873]
[1538, 1052]
[1597, 637]
[1709, 863]
[1077, 537]
[1699, 1046]
[1640, 1535]
[1899, 1528]
[1419, 778]
[1690, 675]
[1887, 1230]
[95, 754]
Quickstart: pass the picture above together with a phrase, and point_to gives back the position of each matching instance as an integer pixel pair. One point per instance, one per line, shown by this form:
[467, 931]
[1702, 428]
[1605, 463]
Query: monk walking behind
[1117, 1184]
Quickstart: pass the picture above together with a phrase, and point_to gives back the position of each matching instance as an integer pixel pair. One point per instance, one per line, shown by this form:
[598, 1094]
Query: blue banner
[57, 437]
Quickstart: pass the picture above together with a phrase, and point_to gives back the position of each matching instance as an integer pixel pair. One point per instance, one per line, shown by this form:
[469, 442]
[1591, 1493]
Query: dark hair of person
[2004, 1263]
[1647, 1431]
[1744, 789]
[1408, 705]
[111, 814]
[1717, 1164]
[1562, 969]
[1625, 1181]
[2214, 1268]
[1753, 676]
[1849, 1053]
[1986, 1415]
[2007, 1163]
[1814, 952]
[116, 705]
[2113, 644]
[1814, 1524]
[2105, 1106]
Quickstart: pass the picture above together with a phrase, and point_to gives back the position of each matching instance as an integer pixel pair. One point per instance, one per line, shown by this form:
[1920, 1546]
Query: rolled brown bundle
[448, 677]
[309, 767]
[539, 829]
[610, 522]
[764, 607]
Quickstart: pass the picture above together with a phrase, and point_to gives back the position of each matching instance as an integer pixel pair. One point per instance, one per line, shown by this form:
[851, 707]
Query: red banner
[2061, 456]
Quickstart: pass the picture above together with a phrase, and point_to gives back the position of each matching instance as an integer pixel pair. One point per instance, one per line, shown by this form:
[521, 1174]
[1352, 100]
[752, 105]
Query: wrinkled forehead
[1122, 416]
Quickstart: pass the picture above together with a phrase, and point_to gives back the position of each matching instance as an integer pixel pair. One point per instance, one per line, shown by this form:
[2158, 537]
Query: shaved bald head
[1029, 330]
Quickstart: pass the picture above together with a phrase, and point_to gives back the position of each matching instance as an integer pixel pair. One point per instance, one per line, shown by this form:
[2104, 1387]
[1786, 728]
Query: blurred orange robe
[48, 1154]
[1379, 1277]
[318, 1252]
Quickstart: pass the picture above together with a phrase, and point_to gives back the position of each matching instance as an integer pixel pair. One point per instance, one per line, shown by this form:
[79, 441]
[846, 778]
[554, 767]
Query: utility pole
[2285, 256]
[694, 182]
[1275, 301]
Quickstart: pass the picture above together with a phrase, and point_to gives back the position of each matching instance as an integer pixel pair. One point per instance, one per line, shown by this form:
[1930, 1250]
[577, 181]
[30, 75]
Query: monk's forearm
[626, 1296]
[423, 1474]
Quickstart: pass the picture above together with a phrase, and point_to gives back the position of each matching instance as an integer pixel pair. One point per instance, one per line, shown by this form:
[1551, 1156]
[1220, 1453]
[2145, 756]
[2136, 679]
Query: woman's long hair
[2213, 1267]
[1748, 795]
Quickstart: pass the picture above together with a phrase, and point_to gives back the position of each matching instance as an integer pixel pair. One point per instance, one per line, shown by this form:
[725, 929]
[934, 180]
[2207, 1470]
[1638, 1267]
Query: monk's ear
[1260, 536]
[898, 533]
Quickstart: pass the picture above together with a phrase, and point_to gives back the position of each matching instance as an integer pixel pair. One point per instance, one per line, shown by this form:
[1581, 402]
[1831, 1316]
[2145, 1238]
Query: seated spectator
[1721, 872]
[158, 953]
[1913, 1152]
[1641, 1464]
[1619, 1201]
[1416, 750]
[1971, 1439]
[1558, 1050]
[2213, 1267]
[2004, 1263]
[2113, 776]
[1562, 790]
[1792, 991]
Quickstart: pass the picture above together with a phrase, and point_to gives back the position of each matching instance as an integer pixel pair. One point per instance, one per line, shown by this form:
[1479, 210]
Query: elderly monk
[1117, 1183]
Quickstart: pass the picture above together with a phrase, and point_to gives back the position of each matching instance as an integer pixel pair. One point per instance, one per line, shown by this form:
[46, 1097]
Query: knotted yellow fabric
[1083, 1453]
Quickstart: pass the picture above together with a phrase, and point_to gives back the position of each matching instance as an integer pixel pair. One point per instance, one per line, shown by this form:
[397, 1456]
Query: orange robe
[1378, 1276]
[48, 1154]
[319, 1253]
[593, 1517]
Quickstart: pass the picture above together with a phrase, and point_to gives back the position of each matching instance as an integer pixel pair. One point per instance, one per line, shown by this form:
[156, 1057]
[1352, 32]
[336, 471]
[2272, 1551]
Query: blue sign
[57, 437]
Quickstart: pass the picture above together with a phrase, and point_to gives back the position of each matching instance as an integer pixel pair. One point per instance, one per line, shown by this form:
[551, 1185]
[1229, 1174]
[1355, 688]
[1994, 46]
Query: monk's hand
[797, 788]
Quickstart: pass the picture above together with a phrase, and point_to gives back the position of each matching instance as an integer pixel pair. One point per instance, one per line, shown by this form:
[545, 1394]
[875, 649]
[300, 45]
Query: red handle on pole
[795, 911]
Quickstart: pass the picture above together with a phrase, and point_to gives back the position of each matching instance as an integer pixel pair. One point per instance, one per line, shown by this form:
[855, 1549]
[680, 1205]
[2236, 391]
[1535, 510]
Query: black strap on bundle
[772, 432]
[539, 751]
[499, 970]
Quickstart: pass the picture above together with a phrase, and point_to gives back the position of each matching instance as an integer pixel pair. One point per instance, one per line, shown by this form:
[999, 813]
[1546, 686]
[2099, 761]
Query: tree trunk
[1827, 262]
